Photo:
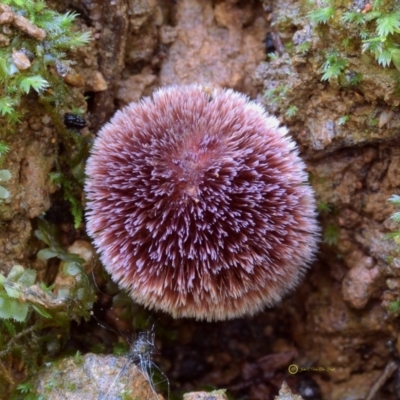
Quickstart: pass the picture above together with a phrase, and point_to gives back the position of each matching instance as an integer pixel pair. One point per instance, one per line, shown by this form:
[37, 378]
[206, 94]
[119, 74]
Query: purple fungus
[199, 205]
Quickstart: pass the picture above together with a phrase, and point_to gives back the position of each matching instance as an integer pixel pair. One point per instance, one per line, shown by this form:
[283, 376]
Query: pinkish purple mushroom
[199, 205]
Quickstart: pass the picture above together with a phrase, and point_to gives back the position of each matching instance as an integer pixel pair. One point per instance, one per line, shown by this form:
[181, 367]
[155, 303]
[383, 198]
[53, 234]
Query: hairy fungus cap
[198, 204]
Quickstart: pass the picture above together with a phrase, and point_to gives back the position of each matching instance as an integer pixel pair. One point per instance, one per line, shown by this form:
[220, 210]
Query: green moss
[321, 15]
[33, 66]
[276, 94]
[395, 199]
[374, 32]
[343, 120]
[291, 111]
[324, 207]
[126, 395]
[372, 122]
[333, 66]
[303, 48]
[331, 234]
[394, 307]
[34, 317]
[78, 358]
[43, 55]
[71, 387]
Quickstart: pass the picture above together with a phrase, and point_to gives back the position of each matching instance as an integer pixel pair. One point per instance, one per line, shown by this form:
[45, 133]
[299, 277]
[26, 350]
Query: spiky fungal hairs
[198, 204]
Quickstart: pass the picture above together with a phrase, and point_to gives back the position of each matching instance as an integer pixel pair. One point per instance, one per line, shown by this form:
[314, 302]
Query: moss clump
[34, 56]
[35, 319]
[36, 77]
[36, 65]
[373, 30]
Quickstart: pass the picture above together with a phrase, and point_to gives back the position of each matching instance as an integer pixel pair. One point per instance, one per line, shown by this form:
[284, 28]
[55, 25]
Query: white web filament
[140, 354]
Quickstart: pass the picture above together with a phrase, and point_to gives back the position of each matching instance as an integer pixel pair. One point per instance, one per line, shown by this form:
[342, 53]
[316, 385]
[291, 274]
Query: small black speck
[74, 121]
[28, 53]
[269, 44]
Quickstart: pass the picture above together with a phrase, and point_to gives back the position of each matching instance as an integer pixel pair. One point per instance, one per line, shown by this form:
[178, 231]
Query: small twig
[386, 374]
[36, 295]
[15, 337]
[5, 374]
